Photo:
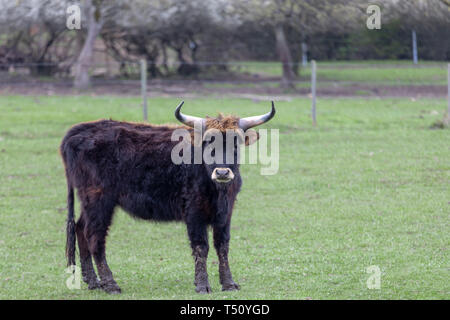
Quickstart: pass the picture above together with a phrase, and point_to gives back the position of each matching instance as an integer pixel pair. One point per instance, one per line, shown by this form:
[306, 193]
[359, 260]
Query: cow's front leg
[198, 236]
[221, 241]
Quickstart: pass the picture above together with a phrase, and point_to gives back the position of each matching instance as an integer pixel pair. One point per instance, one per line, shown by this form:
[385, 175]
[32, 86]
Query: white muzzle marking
[222, 175]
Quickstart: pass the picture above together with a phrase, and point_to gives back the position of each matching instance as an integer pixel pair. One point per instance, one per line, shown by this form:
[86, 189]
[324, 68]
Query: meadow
[369, 186]
[374, 72]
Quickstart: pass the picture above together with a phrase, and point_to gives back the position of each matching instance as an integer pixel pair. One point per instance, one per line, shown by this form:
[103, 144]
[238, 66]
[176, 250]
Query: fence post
[304, 54]
[144, 87]
[414, 46]
[313, 91]
[448, 92]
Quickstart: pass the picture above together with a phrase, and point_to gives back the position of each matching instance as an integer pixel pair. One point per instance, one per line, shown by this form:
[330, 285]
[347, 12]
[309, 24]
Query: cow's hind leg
[87, 268]
[99, 216]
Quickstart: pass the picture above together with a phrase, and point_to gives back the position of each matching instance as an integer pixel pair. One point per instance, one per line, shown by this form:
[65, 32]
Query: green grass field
[369, 186]
[374, 72]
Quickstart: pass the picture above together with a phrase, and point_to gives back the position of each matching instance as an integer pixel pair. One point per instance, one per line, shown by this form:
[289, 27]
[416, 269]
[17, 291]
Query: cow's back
[130, 162]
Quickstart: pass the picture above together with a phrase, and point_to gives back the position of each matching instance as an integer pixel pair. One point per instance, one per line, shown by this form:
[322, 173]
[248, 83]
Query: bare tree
[285, 55]
[35, 34]
[84, 61]
[163, 30]
[304, 16]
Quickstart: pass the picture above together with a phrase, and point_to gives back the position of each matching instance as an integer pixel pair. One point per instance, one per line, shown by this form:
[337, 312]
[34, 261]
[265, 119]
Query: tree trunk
[82, 79]
[165, 58]
[285, 57]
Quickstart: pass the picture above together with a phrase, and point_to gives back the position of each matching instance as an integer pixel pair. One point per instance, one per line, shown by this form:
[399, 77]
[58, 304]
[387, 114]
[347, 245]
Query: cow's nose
[222, 173]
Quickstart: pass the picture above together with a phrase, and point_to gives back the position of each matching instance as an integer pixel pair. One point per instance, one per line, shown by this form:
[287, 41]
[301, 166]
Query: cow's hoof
[231, 286]
[111, 288]
[203, 289]
[94, 284]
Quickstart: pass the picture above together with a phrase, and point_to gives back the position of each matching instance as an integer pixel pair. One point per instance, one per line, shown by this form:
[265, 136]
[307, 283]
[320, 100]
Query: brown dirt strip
[185, 88]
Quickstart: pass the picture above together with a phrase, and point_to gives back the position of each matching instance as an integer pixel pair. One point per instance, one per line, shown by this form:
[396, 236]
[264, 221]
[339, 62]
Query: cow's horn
[250, 122]
[183, 118]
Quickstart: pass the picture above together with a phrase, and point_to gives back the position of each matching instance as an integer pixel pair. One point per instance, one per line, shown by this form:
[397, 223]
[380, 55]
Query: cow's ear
[251, 136]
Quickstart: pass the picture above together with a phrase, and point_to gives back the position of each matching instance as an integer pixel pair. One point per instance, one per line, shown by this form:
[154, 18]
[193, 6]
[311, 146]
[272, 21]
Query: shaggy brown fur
[129, 165]
[222, 122]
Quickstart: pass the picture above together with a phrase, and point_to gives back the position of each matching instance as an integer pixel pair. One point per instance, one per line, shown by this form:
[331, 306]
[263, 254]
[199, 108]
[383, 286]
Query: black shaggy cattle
[129, 165]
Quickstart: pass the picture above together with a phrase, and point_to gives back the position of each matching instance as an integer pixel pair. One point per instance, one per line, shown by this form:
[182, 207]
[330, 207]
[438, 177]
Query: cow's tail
[70, 229]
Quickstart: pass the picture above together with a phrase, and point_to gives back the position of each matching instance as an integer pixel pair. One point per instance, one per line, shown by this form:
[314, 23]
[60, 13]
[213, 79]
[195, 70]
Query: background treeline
[394, 42]
[186, 37]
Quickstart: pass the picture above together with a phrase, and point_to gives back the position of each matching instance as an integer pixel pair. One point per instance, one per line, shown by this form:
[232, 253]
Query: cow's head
[229, 132]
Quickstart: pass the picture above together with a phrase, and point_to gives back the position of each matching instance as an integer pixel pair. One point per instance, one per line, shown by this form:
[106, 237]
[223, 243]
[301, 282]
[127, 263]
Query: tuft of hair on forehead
[222, 122]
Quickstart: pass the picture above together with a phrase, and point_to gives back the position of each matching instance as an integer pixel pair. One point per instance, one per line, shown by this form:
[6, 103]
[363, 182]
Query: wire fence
[259, 77]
